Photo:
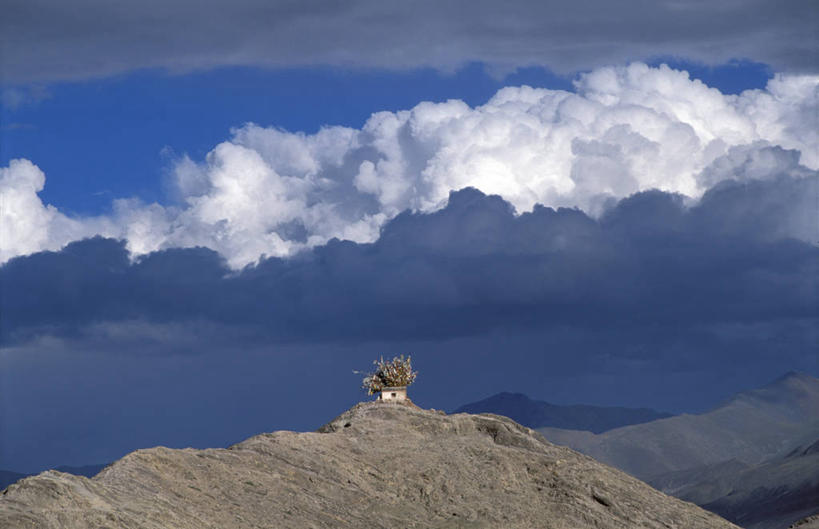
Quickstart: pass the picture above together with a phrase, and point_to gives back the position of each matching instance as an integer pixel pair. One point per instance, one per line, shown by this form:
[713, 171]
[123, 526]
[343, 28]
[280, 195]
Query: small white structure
[393, 394]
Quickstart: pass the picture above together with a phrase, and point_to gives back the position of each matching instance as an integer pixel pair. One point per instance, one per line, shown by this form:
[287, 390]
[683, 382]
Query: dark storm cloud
[48, 40]
[465, 270]
[102, 356]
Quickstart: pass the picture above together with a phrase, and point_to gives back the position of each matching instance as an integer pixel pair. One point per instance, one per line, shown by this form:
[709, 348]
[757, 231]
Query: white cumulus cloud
[26, 224]
[624, 129]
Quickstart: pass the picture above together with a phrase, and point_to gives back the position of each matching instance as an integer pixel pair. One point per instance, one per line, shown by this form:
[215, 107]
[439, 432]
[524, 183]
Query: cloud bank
[634, 306]
[269, 192]
[649, 262]
[47, 40]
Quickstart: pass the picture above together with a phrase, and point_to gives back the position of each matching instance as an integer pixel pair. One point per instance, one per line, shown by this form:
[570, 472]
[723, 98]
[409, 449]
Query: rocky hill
[540, 414]
[377, 465]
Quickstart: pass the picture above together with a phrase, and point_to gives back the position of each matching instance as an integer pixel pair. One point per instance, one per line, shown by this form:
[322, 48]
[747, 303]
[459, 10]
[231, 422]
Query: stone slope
[376, 465]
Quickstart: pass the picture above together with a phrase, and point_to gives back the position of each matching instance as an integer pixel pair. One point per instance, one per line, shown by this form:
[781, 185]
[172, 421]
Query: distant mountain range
[8, 477]
[752, 459]
[539, 414]
[751, 427]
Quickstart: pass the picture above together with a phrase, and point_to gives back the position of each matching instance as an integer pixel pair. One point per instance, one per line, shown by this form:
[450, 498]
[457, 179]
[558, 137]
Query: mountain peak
[792, 377]
[793, 395]
[376, 465]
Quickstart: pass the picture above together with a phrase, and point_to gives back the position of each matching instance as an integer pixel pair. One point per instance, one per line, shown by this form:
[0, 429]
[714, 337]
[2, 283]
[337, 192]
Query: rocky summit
[377, 465]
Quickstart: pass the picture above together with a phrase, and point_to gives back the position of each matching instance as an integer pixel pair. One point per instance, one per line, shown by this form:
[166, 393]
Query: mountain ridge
[751, 427]
[376, 465]
[537, 413]
[754, 459]
[7, 477]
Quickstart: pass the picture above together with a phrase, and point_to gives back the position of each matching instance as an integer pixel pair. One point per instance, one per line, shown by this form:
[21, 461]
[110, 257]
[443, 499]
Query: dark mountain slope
[750, 428]
[539, 414]
[767, 496]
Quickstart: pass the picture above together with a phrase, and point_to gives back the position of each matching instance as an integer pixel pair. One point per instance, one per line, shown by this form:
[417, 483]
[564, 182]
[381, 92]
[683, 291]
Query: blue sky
[112, 138]
[206, 208]
[126, 123]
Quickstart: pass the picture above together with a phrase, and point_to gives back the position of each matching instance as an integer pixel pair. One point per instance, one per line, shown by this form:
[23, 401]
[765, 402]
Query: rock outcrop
[376, 465]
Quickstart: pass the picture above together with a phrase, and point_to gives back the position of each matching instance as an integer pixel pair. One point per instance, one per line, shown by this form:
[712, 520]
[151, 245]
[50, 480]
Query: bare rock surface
[377, 465]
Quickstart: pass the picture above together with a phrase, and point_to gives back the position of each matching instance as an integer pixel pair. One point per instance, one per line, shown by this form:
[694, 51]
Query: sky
[211, 214]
